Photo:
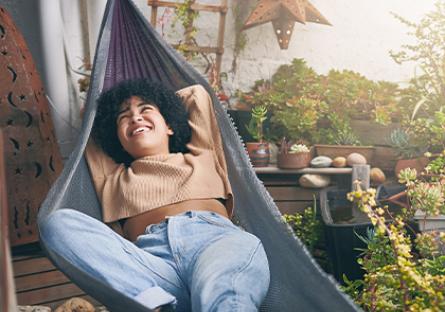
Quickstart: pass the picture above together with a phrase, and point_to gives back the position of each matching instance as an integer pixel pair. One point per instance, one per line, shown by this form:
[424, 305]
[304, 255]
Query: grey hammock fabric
[129, 47]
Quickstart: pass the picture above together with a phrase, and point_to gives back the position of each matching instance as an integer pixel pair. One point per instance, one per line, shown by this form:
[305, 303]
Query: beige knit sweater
[155, 181]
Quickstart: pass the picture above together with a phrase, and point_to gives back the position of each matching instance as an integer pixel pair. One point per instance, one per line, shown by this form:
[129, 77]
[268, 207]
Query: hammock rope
[128, 48]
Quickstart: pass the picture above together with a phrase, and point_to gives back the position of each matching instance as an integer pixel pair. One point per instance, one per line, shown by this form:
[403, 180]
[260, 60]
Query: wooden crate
[38, 282]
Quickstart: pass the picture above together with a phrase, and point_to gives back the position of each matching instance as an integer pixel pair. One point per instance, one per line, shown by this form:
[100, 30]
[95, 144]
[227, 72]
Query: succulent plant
[401, 140]
[255, 127]
[298, 148]
[346, 137]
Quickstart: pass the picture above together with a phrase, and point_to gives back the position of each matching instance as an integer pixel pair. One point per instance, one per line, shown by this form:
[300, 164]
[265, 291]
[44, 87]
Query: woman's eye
[121, 117]
[147, 108]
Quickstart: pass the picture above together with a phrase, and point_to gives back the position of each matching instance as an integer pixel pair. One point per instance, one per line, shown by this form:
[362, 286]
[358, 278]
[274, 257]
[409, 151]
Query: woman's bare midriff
[135, 226]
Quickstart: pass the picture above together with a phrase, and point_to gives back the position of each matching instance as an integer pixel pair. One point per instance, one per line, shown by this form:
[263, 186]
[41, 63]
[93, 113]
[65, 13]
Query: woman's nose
[136, 118]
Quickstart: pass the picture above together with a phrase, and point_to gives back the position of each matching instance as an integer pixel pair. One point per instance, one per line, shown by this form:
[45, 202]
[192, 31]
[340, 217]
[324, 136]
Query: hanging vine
[186, 16]
[240, 11]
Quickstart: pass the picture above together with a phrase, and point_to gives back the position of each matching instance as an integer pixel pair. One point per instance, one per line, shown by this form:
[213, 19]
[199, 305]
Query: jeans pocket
[215, 219]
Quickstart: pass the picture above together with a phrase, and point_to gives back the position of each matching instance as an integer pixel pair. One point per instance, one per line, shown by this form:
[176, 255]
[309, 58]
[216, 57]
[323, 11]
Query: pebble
[321, 162]
[33, 309]
[314, 180]
[355, 159]
[339, 162]
[377, 176]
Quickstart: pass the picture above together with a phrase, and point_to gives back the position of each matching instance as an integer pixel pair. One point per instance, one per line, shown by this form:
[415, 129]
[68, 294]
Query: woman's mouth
[141, 130]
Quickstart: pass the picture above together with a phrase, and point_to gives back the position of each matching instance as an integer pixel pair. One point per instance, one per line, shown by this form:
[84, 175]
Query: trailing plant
[402, 274]
[240, 11]
[186, 16]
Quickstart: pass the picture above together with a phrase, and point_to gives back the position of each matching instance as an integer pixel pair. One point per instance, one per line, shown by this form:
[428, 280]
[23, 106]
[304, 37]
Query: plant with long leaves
[258, 117]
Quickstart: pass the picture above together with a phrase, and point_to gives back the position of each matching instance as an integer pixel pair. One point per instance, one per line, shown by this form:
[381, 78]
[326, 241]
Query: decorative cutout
[51, 164]
[30, 119]
[10, 101]
[16, 218]
[27, 214]
[32, 158]
[14, 74]
[16, 143]
[38, 169]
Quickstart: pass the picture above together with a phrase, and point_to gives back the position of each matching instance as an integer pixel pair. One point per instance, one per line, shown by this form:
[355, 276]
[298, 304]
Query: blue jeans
[196, 261]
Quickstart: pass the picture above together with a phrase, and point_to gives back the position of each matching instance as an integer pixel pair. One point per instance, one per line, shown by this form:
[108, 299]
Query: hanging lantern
[283, 30]
[283, 14]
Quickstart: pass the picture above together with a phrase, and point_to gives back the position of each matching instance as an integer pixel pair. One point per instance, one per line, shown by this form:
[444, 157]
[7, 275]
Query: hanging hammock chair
[128, 48]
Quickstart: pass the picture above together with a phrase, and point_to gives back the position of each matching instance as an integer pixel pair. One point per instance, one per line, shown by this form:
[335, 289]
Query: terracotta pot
[294, 160]
[416, 163]
[258, 153]
[333, 151]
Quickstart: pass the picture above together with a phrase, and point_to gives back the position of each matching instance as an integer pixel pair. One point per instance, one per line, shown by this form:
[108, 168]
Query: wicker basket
[294, 160]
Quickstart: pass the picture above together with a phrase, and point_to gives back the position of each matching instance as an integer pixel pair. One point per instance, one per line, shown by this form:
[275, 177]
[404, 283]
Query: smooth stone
[321, 162]
[355, 159]
[339, 162]
[314, 180]
[377, 176]
[33, 309]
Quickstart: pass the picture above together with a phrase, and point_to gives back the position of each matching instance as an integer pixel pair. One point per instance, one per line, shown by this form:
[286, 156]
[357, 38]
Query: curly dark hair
[104, 130]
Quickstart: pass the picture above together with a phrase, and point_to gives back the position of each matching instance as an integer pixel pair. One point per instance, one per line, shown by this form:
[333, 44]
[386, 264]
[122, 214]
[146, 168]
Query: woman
[158, 167]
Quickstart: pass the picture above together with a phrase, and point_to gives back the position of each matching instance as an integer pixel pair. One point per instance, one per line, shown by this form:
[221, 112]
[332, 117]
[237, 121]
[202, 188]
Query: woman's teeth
[139, 130]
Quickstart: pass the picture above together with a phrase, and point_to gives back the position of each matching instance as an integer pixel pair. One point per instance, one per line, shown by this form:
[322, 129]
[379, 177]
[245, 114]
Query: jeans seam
[208, 220]
[176, 254]
[136, 257]
[237, 275]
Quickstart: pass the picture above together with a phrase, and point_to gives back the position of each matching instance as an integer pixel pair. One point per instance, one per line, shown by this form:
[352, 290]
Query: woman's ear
[170, 131]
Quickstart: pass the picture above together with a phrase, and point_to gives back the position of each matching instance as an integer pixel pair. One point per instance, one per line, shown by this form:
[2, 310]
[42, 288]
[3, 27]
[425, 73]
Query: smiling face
[142, 129]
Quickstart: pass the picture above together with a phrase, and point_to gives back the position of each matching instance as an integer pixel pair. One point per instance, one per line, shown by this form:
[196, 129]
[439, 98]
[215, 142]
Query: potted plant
[403, 269]
[340, 140]
[426, 193]
[296, 156]
[259, 150]
[410, 155]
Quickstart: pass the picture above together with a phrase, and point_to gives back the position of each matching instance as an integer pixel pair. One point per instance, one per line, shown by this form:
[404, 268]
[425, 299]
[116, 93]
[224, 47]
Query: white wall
[362, 34]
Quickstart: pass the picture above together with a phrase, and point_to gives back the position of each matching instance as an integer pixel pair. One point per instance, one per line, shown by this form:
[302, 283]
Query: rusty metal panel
[32, 157]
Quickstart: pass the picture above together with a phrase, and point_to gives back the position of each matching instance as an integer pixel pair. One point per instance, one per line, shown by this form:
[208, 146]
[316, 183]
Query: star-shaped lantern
[283, 14]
